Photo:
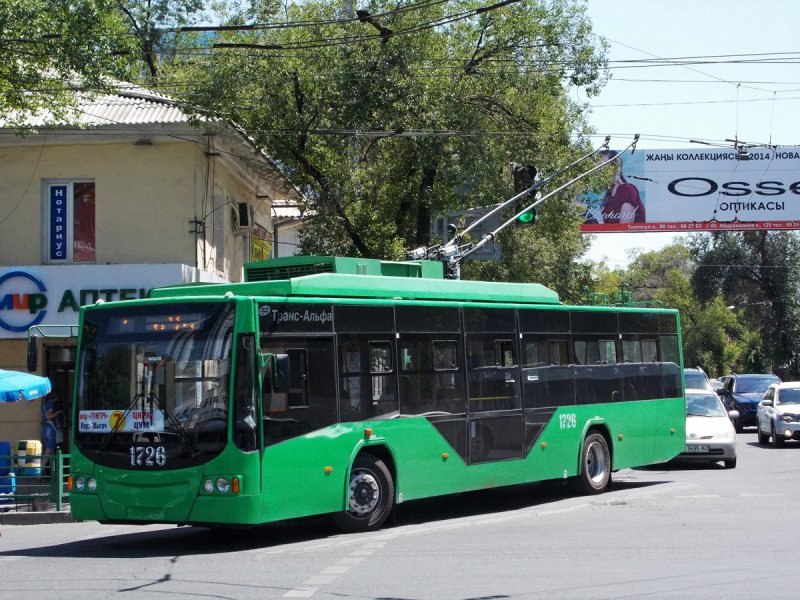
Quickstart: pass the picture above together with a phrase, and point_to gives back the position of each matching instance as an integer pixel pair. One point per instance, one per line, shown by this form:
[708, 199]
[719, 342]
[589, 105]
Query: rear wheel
[370, 495]
[777, 440]
[730, 464]
[595, 475]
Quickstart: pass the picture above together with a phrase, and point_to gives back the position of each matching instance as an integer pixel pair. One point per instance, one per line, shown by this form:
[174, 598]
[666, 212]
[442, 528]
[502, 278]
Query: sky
[708, 100]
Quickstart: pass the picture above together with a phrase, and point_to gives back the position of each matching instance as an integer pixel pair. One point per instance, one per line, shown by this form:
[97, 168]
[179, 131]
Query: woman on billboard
[621, 203]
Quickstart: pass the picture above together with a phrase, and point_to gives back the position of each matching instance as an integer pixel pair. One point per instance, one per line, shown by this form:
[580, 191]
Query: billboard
[698, 190]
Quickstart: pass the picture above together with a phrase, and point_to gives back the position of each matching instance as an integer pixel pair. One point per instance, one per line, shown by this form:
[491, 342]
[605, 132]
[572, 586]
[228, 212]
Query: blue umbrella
[16, 385]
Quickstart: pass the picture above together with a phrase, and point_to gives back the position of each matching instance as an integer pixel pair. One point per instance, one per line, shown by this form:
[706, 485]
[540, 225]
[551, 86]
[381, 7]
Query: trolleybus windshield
[153, 384]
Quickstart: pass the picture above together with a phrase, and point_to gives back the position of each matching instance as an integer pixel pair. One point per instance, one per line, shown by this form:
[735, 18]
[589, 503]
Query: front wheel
[730, 464]
[595, 475]
[370, 496]
[763, 438]
[777, 440]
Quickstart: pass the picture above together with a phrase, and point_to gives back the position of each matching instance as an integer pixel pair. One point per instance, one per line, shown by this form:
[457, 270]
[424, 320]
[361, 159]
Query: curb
[35, 518]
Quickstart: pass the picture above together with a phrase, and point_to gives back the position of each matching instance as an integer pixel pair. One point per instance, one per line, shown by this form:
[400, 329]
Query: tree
[649, 272]
[51, 49]
[154, 25]
[757, 273]
[397, 113]
[707, 328]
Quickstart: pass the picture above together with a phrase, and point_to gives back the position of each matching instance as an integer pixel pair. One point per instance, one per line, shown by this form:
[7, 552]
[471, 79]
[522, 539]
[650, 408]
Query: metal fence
[36, 482]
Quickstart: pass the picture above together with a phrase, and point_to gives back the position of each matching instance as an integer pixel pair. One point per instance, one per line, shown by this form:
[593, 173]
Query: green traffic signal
[528, 217]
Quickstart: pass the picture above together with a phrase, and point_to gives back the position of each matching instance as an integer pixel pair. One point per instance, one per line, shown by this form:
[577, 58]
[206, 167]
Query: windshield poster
[105, 421]
[706, 189]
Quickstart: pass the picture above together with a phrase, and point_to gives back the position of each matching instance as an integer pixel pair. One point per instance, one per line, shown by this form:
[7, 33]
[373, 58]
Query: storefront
[43, 301]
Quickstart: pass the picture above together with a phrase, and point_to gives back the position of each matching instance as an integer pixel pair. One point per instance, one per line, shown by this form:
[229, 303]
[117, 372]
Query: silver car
[710, 436]
[778, 414]
[696, 379]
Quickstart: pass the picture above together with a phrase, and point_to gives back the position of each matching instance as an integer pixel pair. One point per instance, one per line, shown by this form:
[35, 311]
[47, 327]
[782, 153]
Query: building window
[69, 222]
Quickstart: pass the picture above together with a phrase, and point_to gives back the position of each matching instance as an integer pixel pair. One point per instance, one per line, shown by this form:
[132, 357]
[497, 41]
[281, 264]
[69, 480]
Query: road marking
[300, 593]
[319, 580]
[336, 570]
[328, 575]
[698, 496]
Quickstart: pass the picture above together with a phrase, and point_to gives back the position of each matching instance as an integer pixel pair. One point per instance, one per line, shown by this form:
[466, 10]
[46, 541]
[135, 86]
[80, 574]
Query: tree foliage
[397, 113]
[707, 326]
[737, 294]
[50, 49]
[758, 274]
[154, 25]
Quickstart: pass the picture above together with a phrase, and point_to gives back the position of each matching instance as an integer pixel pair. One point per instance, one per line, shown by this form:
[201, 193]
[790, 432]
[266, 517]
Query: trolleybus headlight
[223, 485]
[91, 484]
[208, 486]
[80, 483]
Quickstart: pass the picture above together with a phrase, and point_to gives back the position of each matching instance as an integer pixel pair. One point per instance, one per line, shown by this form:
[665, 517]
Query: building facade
[139, 194]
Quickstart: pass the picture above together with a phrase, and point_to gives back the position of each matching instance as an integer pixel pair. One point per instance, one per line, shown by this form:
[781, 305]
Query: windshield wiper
[176, 425]
[120, 423]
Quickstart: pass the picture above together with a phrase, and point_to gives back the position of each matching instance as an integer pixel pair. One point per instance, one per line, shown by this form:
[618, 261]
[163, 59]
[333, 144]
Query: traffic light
[523, 180]
[528, 217]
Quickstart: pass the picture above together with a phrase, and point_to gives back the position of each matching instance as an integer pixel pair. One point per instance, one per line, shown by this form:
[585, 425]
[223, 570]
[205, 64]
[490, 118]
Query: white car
[710, 436]
[778, 414]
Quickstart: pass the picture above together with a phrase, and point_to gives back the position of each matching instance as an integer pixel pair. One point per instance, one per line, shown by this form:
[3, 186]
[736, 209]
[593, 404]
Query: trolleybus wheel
[595, 474]
[370, 495]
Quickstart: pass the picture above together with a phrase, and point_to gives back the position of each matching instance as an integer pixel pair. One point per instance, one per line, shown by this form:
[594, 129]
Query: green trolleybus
[342, 386]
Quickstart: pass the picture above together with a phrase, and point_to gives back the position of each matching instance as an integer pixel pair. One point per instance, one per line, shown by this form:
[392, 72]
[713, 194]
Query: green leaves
[398, 115]
[737, 293]
[50, 49]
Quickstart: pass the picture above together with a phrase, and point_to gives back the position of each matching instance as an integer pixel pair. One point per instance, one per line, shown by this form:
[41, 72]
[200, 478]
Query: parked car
[778, 414]
[710, 436]
[742, 393]
[715, 384]
[696, 379]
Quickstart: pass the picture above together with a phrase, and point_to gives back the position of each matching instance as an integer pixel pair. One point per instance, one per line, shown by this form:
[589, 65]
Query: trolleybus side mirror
[282, 376]
[277, 373]
[33, 354]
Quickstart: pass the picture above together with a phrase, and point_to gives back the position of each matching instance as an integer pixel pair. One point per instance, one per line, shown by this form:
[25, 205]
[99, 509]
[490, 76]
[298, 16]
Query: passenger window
[445, 356]
[595, 352]
[380, 357]
[649, 351]
[367, 378]
[492, 374]
[631, 351]
[311, 401]
[547, 380]
[431, 381]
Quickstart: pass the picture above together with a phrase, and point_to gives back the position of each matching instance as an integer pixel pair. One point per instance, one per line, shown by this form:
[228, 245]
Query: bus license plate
[696, 448]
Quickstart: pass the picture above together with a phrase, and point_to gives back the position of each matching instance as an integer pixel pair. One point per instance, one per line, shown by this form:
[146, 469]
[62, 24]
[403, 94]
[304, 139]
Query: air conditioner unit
[244, 217]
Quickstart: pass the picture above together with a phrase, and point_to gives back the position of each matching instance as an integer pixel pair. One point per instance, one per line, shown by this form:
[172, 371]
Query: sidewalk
[44, 517]
[35, 512]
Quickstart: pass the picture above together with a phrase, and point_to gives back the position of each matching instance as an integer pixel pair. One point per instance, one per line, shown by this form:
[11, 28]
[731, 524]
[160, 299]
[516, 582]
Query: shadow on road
[188, 541]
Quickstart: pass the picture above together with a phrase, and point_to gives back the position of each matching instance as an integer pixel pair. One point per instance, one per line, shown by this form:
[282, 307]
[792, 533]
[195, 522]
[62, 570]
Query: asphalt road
[672, 531]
